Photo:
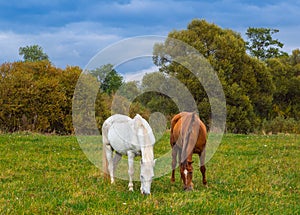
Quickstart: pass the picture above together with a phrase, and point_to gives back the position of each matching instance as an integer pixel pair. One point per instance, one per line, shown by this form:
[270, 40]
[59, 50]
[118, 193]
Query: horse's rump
[189, 133]
[188, 136]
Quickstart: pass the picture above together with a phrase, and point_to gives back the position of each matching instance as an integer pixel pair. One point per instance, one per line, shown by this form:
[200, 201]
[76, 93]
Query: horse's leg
[174, 162]
[179, 155]
[109, 155]
[116, 160]
[202, 166]
[130, 155]
[104, 157]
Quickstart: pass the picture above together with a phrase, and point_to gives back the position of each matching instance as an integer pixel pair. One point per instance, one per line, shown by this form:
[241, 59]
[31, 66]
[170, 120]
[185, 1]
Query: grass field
[248, 174]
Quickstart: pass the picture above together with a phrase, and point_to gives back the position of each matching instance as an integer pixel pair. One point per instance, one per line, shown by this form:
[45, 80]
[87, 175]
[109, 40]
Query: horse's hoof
[131, 189]
[146, 194]
[172, 180]
[190, 188]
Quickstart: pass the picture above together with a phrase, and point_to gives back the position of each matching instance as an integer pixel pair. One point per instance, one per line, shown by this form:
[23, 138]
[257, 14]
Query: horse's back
[180, 126]
[177, 126]
[114, 119]
[120, 135]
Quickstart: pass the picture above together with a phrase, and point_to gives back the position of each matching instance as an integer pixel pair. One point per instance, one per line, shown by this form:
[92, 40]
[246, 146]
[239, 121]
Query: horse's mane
[140, 123]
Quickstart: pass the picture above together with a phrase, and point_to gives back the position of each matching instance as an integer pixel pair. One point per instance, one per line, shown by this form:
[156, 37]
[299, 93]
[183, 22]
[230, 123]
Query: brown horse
[188, 137]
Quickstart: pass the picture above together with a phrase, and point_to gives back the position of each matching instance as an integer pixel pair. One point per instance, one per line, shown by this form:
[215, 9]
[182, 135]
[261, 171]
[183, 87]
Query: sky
[72, 32]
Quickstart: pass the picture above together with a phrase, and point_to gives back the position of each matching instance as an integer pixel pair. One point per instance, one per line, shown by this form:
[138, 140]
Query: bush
[281, 125]
[36, 96]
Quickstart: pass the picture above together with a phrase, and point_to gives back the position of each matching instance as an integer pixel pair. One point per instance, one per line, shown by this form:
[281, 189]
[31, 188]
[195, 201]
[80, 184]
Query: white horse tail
[104, 158]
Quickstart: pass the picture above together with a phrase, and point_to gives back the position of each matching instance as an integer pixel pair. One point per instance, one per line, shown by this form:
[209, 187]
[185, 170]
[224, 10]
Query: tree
[157, 89]
[37, 96]
[109, 79]
[33, 53]
[112, 82]
[246, 81]
[286, 77]
[262, 45]
[295, 58]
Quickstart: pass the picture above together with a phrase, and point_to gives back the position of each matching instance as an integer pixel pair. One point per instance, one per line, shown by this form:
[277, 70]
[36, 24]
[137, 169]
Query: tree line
[261, 84]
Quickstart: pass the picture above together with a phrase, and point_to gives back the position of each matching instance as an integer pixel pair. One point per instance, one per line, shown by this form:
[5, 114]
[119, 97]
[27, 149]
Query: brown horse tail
[189, 132]
[173, 123]
[104, 158]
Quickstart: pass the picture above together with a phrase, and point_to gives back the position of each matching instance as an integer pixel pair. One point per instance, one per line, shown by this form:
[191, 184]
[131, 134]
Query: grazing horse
[188, 137]
[129, 137]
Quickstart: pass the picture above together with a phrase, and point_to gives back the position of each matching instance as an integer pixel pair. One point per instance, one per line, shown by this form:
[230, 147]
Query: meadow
[248, 174]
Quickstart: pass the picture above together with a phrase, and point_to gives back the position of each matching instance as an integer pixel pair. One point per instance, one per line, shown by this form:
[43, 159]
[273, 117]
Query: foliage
[157, 101]
[102, 108]
[36, 96]
[109, 79]
[33, 53]
[286, 77]
[259, 89]
[262, 45]
[247, 82]
[248, 174]
[281, 125]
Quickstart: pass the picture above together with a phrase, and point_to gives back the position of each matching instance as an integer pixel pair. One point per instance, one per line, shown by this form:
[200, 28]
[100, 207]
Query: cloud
[74, 44]
[71, 32]
[289, 37]
[138, 76]
[9, 45]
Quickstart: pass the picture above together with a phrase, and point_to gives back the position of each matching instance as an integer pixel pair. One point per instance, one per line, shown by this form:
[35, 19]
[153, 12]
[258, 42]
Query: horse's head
[147, 174]
[186, 171]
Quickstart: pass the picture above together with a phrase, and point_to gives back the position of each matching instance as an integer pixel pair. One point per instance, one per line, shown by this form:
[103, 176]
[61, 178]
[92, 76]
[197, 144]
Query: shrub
[36, 96]
[281, 125]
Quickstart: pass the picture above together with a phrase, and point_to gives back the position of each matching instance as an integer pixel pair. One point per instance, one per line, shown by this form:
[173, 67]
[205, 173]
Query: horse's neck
[147, 153]
[147, 147]
[145, 139]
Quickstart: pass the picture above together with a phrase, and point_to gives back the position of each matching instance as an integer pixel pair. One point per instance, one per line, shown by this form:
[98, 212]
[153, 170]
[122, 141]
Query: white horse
[129, 137]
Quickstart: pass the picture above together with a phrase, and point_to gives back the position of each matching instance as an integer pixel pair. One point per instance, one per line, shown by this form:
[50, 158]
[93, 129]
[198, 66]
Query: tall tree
[33, 53]
[109, 79]
[246, 81]
[262, 45]
[286, 77]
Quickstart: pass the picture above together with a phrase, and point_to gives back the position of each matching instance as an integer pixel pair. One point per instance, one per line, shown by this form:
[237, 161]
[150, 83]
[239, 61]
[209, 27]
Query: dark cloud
[72, 31]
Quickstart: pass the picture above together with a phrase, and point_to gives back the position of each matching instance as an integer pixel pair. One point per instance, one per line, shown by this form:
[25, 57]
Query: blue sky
[72, 32]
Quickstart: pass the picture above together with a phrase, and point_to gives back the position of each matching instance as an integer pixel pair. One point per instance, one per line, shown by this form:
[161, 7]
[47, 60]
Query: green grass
[248, 174]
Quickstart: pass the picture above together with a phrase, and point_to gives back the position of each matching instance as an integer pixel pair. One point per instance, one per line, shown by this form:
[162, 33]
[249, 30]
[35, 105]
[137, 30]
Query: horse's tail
[104, 158]
[173, 123]
[189, 131]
